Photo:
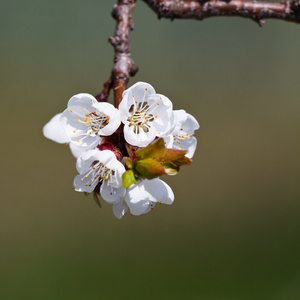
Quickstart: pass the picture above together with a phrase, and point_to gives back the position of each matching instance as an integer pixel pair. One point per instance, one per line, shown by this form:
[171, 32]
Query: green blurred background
[233, 231]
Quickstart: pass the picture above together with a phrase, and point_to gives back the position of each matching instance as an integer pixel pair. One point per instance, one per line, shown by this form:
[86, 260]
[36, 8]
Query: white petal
[150, 207]
[83, 99]
[190, 125]
[158, 191]
[189, 145]
[111, 194]
[139, 92]
[142, 139]
[162, 110]
[85, 184]
[120, 208]
[54, 131]
[180, 117]
[77, 150]
[85, 161]
[72, 121]
[170, 199]
[111, 188]
[86, 141]
[136, 199]
[169, 139]
[119, 169]
[114, 118]
[141, 195]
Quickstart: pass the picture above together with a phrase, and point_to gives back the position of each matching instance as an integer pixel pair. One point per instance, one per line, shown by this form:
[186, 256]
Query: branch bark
[199, 10]
[124, 66]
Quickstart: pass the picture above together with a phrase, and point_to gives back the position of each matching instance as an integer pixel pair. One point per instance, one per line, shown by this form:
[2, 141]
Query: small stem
[102, 97]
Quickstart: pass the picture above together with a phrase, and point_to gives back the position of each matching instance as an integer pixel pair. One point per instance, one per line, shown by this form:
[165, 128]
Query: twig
[199, 10]
[124, 66]
[102, 97]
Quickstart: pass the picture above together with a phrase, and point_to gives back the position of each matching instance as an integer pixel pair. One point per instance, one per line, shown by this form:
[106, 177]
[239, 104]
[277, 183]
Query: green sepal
[155, 150]
[128, 162]
[173, 154]
[149, 168]
[128, 179]
[182, 161]
[177, 157]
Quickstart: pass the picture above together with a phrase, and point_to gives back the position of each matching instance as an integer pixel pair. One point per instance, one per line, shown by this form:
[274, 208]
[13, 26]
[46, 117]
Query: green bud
[128, 162]
[128, 179]
[155, 150]
[149, 168]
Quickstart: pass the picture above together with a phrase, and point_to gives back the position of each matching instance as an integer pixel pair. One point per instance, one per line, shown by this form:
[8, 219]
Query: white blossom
[86, 120]
[54, 131]
[145, 114]
[141, 197]
[182, 135]
[100, 167]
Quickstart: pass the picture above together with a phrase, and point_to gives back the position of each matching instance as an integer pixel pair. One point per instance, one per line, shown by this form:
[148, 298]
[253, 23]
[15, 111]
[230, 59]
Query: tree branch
[199, 10]
[124, 66]
[102, 97]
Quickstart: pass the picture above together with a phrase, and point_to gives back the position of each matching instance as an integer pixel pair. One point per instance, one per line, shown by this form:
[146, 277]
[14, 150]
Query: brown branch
[124, 66]
[102, 97]
[199, 10]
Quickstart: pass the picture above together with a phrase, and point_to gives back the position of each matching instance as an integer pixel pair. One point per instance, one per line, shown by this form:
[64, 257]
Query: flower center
[95, 121]
[98, 172]
[140, 117]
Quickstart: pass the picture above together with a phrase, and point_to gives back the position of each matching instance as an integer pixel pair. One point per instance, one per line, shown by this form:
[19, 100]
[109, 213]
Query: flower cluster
[122, 152]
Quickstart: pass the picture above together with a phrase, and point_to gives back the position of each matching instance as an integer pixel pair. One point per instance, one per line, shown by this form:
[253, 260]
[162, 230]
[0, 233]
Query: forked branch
[124, 67]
